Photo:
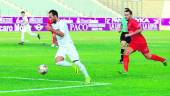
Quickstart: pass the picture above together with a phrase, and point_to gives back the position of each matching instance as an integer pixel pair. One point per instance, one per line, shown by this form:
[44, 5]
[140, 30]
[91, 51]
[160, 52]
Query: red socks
[153, 57]
[126, 62]
[157, 58]
[53, 38]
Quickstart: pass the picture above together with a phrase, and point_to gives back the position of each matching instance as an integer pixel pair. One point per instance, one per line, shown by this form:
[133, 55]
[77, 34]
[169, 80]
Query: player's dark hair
[23, 12]
[54, 12]
[128, 10]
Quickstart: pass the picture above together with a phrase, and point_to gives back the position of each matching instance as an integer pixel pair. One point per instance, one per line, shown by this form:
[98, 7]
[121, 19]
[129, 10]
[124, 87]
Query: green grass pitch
[99, 51]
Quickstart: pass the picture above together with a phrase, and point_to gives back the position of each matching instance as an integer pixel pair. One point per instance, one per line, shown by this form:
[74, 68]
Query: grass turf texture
[99, 51]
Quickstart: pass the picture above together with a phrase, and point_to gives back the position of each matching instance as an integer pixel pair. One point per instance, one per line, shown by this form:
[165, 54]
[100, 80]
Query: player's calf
[83, 70]
[148, 56]
[156, 58]
[128, 51]
[123, 45]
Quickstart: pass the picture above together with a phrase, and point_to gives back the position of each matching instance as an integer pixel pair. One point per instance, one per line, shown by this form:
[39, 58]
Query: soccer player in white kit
[26, 28]
[66, 46]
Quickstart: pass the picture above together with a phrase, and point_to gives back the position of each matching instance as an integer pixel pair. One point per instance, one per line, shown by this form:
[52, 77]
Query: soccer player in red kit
[138, 42]
[54, 39]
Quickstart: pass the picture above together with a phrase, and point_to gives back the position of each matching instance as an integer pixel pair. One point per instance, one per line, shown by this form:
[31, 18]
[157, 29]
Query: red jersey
[133, 26]
[138, 41]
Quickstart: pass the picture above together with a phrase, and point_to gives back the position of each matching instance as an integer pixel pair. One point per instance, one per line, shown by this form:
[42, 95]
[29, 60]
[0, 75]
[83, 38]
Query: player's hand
[49, 28]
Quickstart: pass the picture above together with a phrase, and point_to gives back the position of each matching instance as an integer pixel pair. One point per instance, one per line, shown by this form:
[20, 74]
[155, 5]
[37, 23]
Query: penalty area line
[93, 84]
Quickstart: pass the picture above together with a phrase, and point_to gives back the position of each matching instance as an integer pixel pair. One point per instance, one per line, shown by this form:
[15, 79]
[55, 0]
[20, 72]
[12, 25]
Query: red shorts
[139, 46]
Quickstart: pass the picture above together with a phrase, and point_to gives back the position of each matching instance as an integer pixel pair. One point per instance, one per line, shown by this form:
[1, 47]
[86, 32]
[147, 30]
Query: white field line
[51, 88]
[40, 79]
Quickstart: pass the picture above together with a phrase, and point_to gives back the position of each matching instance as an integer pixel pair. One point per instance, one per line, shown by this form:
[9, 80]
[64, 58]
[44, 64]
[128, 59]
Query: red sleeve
[49, 22]
[136, 25]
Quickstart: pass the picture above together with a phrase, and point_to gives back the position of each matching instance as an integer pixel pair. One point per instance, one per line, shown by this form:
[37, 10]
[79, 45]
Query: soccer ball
[43, 69]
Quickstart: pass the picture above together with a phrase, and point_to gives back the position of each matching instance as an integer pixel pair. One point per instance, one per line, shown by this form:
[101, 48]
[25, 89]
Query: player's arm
[136, 25]
[136, 32]
[59, 33]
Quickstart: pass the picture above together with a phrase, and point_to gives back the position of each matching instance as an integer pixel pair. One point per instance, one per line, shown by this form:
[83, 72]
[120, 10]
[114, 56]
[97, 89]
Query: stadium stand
[65, 7]
[141, 8]
[80, 8]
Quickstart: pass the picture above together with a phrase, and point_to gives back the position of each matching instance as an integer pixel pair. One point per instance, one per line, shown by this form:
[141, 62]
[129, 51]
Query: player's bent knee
[147, 56]
[59, 59]
[128, 51]
[123, 45]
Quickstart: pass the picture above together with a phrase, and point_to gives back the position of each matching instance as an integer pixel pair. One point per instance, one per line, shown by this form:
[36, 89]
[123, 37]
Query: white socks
[82, 68]
[77, 63]
[22, 36]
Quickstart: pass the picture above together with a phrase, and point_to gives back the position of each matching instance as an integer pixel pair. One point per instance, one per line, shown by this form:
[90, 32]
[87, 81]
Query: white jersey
[66, 40]
[25, 21]
[66, 46]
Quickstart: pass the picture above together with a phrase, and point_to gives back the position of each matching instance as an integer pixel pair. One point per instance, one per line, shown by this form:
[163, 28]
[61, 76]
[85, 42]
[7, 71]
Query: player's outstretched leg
[34, 34]
[83, 70]
[61, 62]
[156, 58]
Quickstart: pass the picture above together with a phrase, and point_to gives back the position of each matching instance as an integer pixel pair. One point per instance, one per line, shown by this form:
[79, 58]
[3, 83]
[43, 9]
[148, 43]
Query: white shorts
[26, 28]
[69, 51]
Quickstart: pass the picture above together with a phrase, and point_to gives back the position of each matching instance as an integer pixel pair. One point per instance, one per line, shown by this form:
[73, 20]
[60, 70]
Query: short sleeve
[136, 25]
